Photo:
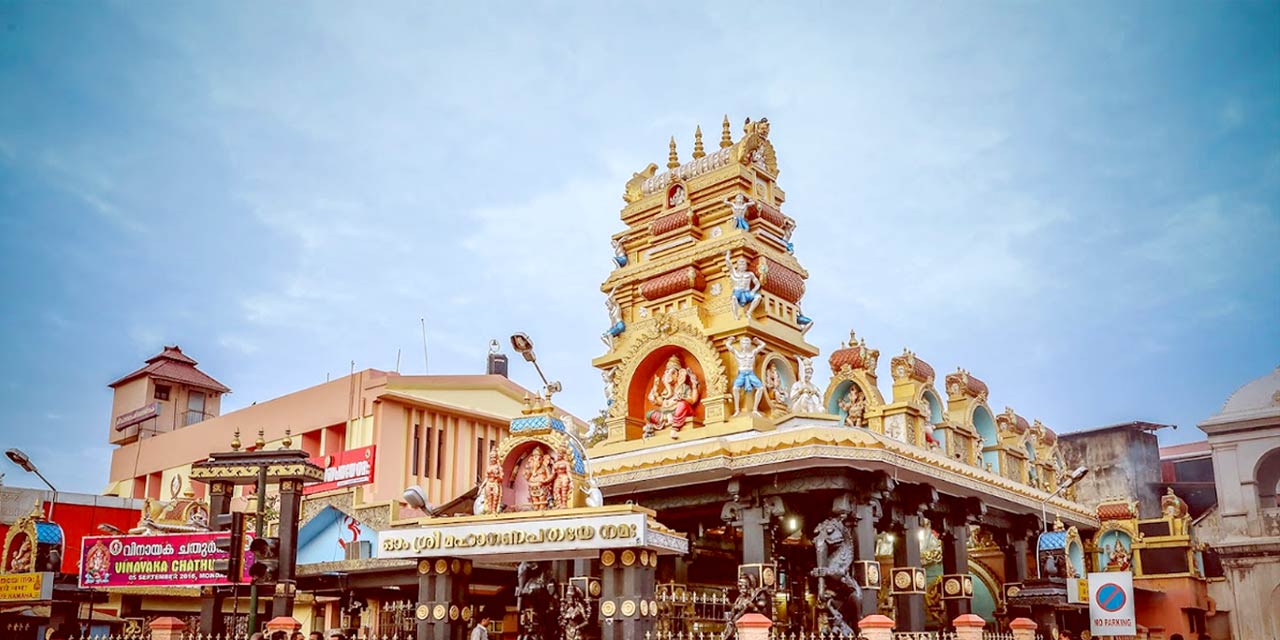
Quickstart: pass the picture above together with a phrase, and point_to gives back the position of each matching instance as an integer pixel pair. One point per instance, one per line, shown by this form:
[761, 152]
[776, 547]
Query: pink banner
[178, 560]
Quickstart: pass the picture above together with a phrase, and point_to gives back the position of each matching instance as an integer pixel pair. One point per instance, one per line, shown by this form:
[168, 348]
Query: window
[162, 392]
[417, 447]
[195, 407]
[480, 458]
[426, 452]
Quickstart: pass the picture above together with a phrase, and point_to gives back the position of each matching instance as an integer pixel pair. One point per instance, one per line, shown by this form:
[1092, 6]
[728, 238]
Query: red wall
[78, 521]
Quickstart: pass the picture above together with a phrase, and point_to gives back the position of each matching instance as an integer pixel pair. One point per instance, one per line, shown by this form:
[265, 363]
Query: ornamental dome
[1262, 394]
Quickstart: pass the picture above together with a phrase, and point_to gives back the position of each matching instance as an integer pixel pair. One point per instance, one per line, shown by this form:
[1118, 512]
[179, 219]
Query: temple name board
[549, 538]
[26, 587]
[176, 560]
[141, 414]
[345, 469]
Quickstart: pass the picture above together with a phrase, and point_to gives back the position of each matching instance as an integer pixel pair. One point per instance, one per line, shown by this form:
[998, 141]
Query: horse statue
[537, 601]
[838, 589]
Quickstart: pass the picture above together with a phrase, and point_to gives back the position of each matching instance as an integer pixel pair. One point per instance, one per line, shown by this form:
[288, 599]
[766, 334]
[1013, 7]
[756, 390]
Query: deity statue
[616, 326]
[750, 599]
[739, 204]
[574, 614]
[609, 383]
[493, 477]
[619, 253]
[97, 566]
[537, 474]
[1118, 557]
[20, 561]
[537, 601]
[677, 197]
[804, 322]
[674, 393]
[1175, 509]
[746, 286]
[788, 229]
[775, 388]
[746, 381]
[805, 396]
[561, 483]
[854, 406]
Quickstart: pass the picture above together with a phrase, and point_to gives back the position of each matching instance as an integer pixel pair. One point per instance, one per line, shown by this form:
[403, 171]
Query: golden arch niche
[666, 394]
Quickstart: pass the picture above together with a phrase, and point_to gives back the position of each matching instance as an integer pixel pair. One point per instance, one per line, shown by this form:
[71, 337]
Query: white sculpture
[805, 397]
[746, 381]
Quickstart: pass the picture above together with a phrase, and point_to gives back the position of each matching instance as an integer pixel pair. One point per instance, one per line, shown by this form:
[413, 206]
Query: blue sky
[1078, 202]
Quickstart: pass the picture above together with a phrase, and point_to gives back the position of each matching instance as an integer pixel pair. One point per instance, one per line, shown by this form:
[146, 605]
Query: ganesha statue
[674, 396]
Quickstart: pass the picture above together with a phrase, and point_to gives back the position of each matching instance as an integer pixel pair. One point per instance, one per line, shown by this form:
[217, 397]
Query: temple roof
[1261, 394]
[172, 364]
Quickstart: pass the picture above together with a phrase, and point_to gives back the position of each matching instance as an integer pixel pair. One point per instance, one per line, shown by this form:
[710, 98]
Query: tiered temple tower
[706, 258]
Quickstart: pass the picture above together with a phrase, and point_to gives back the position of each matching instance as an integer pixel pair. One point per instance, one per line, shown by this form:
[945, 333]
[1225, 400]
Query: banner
[346, 469]
[178, 560]
[1111, 610]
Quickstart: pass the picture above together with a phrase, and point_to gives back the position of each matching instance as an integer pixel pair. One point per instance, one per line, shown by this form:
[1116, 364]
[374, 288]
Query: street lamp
[1075, 477]
[23, 460]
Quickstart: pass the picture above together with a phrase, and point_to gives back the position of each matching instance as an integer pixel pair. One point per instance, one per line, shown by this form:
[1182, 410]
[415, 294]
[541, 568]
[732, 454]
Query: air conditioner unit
[359, 550]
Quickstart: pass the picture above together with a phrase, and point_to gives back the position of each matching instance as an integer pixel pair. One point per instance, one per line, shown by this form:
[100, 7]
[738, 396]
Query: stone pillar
[754, 626]
[908, 575]
[876, 627]
[290, 510]
[867, 567]
[754, 517]
[1013, 543]
[957, 584]
[968, 627]
[211, 621]
[1023, 628]
[628, 605]
[167, 628]
[442, 612]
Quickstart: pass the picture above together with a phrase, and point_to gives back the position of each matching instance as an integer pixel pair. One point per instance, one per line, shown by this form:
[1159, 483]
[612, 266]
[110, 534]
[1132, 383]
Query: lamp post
[1075, 477]
[23, 460]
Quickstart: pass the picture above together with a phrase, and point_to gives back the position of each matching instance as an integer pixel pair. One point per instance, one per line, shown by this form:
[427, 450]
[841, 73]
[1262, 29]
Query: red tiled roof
[172, 364]
[1185, 449]
[1114, 511]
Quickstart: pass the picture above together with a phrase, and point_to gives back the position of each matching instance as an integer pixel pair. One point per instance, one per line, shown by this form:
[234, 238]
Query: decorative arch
[984, 421]
[930, 397]
[666, 331]
[786, 373]
[839, 385]
[650, 368]
[1266, 475]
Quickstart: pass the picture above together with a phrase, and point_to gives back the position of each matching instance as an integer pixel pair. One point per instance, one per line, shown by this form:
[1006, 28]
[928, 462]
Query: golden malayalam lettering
[419, 542]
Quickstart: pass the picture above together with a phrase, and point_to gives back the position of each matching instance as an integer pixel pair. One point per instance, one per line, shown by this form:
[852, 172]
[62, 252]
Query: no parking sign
[1111, 604]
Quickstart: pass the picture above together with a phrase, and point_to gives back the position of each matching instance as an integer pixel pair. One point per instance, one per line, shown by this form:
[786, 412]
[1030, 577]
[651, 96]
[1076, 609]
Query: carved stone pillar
[907, 579]
[754, 516]
[957, 584]
[628, 605]
[442, 612]
[1014, 544]
[867, 569]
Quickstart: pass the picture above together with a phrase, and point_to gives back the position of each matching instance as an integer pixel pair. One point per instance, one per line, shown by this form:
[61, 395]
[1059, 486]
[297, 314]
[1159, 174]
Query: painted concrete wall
[1122, 462]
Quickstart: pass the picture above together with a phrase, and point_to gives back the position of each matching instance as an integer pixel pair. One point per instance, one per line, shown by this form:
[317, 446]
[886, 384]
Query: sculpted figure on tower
[805, 396]
[746, 286]
[674, 394]
[493, 483]
[537, 473]
[616, 325]
[746, 381]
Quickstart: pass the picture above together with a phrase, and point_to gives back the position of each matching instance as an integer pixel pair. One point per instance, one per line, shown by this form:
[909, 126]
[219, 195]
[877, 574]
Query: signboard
[1111, 610]
[346, 469]
[179, 560]
[1077, 590]
[26, 587]
[126, 420]
[547, 537]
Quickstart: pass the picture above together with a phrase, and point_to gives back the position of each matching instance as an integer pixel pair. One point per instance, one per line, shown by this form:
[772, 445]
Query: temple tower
[705, 258]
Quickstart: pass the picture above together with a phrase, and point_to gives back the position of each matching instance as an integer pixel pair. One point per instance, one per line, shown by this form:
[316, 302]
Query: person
[315, 635]
[279, 635]
[481, 632]
[297, 635]
[335, 636]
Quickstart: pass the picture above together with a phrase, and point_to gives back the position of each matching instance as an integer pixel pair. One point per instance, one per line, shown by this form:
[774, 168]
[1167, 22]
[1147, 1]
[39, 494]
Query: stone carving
[493, 476]
[746, 381]
[839, 593]
[854, 406]
[751, 598]
[619, 253]
[616, 325]
[537, 602]
[740, 204]
[746, 286]
[674, 394]
[677, 197]
[574, 614]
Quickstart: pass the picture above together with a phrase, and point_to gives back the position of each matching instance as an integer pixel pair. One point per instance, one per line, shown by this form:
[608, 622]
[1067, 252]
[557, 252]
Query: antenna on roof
[425, 367]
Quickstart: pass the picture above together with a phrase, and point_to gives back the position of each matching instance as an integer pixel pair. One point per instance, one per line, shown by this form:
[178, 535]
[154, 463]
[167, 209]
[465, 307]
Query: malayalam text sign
[345, 469]
[582, 536]
[26, 587]
[1111, 610]
[178, 560]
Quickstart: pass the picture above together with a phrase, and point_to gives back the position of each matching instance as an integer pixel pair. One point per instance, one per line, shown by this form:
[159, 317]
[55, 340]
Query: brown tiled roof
[174, 365]
[1115, 511]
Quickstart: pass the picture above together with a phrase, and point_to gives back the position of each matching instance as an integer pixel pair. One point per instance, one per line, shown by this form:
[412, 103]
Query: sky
[1077, 202]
